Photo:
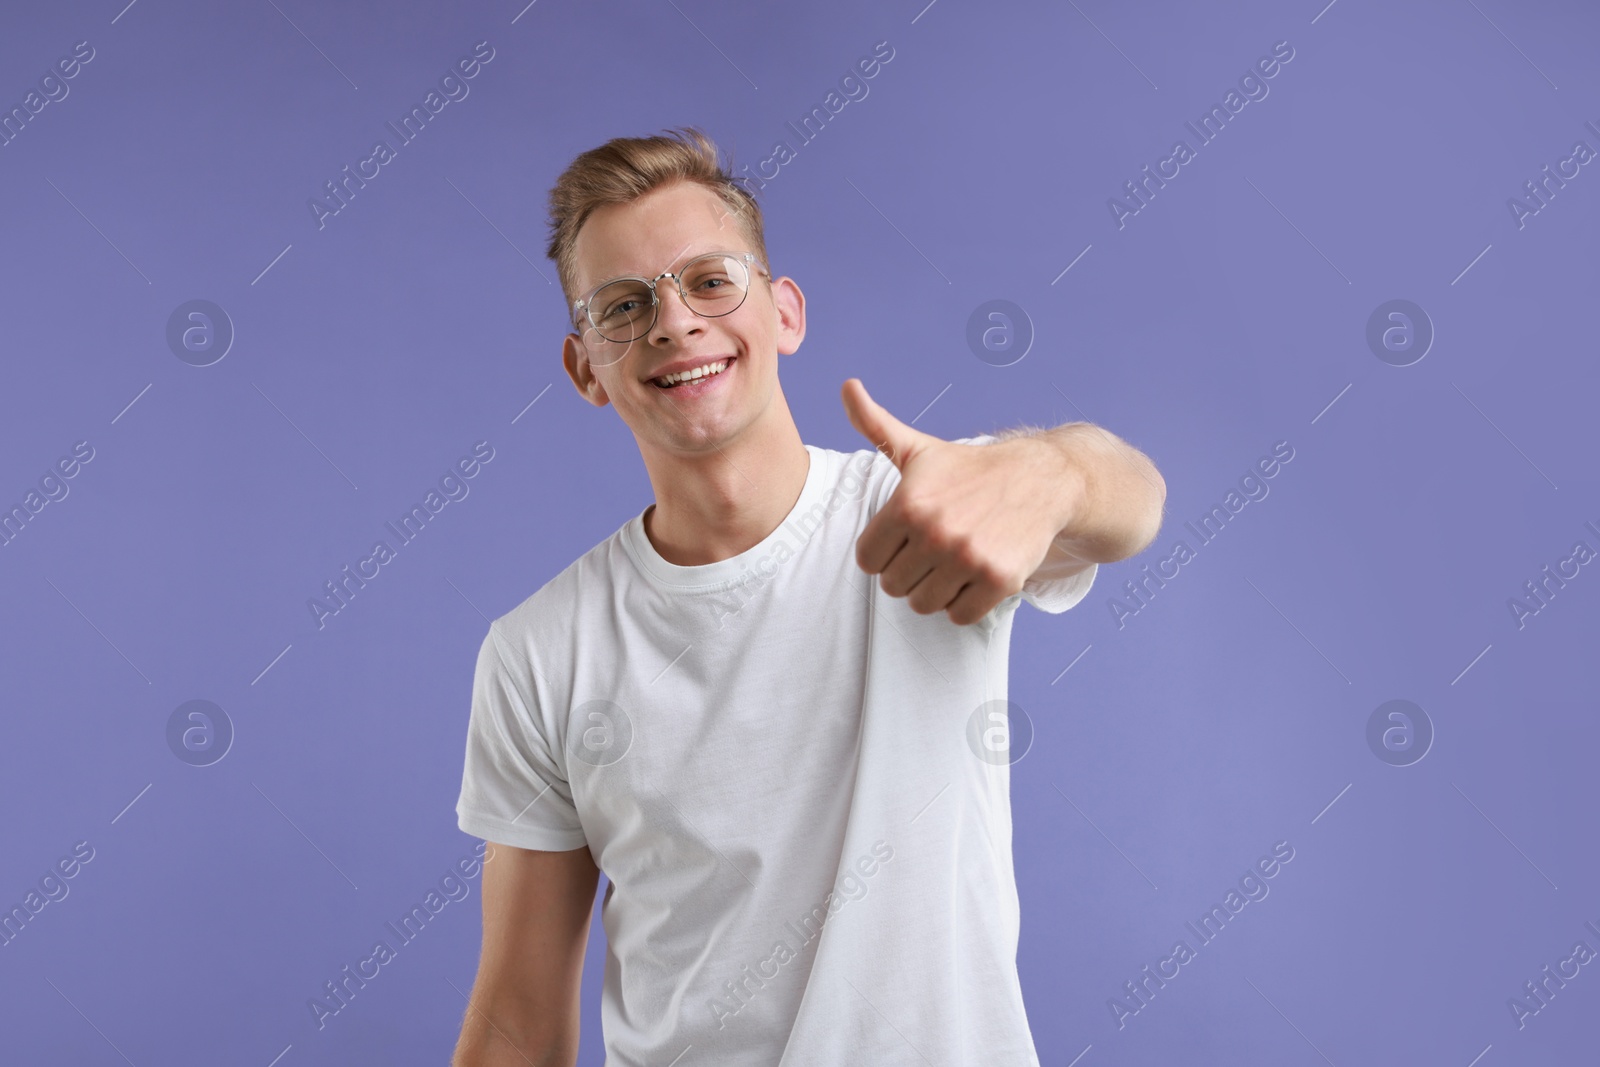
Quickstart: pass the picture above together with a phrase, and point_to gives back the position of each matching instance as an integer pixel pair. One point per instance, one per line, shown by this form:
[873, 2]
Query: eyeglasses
[624, 309]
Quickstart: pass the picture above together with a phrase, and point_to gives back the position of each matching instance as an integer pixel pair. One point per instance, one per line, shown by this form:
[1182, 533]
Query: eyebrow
[687, 254]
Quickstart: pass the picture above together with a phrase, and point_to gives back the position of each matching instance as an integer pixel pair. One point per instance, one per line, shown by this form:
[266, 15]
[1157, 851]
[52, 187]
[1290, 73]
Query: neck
[716, 503]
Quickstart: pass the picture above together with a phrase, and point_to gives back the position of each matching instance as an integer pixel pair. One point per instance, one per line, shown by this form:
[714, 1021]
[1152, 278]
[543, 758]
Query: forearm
[1113, 496]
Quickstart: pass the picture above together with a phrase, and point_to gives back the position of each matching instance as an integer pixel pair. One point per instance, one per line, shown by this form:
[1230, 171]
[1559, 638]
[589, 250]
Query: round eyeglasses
[624, 309]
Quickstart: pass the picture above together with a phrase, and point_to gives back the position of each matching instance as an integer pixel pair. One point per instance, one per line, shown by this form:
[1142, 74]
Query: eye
[711, 281]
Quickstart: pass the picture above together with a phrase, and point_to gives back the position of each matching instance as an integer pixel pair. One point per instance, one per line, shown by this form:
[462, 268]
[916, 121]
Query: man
[794, 774]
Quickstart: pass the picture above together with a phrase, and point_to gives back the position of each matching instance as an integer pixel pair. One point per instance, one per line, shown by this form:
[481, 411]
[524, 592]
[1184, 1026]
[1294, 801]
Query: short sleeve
[1055, 594]
[514, 787]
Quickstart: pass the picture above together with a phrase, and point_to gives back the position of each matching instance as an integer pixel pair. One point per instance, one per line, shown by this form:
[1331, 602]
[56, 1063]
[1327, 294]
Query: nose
[674, 318]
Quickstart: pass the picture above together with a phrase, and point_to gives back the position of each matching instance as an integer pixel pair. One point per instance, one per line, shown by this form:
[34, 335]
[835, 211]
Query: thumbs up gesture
[967, 525]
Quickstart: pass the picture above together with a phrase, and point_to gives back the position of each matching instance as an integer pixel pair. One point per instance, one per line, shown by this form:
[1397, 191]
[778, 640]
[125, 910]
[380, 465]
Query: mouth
[709, 377]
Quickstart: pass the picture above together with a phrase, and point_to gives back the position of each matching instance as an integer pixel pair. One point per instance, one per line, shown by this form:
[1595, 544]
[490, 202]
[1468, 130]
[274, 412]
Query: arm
[524, 1006]
[1114, 494]
[967, 527]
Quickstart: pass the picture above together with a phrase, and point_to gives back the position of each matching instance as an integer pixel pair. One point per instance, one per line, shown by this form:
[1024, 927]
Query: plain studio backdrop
[1378, 259]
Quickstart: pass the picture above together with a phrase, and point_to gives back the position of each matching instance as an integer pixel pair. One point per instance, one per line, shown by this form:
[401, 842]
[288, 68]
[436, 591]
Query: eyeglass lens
[713, 285]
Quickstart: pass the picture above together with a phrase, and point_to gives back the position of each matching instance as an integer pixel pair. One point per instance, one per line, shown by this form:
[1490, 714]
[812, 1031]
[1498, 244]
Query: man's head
[641, 206]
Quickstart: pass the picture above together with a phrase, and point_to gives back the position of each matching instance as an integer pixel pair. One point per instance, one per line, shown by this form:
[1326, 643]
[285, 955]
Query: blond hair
[626, 168]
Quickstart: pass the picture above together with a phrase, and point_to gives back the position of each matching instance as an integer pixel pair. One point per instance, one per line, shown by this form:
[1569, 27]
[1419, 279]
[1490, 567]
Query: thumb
[888, 434]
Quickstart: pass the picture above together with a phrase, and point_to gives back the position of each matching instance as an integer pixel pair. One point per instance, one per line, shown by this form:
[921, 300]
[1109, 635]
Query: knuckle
[994, 576]
[939, 541]
[917, 512]
[968, 556]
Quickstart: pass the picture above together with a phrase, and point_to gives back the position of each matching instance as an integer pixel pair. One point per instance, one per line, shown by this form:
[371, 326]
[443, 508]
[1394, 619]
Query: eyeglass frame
[655, 298]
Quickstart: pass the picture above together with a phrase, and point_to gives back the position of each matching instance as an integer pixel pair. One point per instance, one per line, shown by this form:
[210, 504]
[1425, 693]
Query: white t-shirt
[797, 787]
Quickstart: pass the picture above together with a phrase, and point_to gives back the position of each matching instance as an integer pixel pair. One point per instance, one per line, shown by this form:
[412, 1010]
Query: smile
[693, 377]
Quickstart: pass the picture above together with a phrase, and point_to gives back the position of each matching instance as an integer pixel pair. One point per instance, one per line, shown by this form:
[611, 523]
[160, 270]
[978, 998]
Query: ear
[790, 304]
[575, 358]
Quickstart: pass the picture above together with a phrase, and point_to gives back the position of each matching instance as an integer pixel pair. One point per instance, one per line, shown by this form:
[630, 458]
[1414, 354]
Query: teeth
[691, 375]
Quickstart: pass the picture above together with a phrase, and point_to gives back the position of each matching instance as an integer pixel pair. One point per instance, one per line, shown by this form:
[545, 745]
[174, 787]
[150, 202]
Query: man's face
[660, 231]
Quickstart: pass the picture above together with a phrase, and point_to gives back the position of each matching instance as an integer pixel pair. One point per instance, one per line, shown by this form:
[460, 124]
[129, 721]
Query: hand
[967, 525]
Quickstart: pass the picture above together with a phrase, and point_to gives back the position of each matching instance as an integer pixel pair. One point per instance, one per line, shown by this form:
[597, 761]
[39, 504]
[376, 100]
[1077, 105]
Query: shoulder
[852, 481]
[548, 619]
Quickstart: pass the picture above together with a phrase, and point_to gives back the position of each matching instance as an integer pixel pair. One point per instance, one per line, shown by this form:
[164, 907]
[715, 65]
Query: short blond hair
[626, 168]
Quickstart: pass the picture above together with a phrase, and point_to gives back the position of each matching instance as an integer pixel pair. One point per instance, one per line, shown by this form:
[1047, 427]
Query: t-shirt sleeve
[514, 787]
[1055, 594]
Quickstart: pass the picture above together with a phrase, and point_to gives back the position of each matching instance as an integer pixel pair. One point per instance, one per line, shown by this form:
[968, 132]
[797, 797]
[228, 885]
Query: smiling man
[772, 706]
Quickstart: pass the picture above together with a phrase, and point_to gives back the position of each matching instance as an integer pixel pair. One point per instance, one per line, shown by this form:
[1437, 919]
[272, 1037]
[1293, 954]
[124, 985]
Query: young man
[794, 773]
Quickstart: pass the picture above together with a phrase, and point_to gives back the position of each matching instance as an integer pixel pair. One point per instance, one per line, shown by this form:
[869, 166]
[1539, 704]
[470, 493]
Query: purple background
[1229, 314]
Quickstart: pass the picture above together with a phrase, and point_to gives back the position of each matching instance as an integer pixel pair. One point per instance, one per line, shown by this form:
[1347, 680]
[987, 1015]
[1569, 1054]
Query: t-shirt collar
[723, 572]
